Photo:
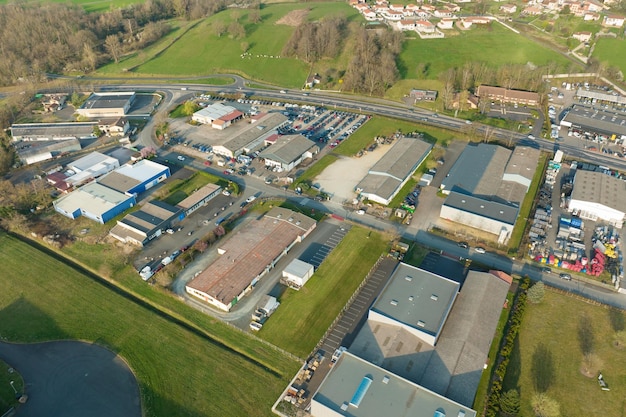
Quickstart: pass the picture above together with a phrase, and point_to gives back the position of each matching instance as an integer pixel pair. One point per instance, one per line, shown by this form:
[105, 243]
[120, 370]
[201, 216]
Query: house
[582, 36]
[426, 95]
[53, 102]
[532, 11]
[613, 21]
[446, 23]
[591, 16]
[396, 7]
[411, 9]
[475, 20]
[406, 24]
[369, 14]
[393, 15]
[508, 8]
[507, 96]
[424, 26]
[451, 7]
[428, 8]
[117, 126]
[314, 79]
[443, 13]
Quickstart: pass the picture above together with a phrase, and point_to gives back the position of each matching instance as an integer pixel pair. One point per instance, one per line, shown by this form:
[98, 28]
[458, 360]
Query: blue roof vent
[360, 391]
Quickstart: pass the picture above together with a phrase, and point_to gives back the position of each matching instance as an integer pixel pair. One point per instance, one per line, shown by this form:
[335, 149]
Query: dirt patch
[591, 365]
[294, 17]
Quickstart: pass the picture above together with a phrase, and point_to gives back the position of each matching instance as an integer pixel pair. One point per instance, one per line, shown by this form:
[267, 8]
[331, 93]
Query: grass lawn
[179, 189]
[305, 315]
[7, 395]
[522, 219]
[612, 52]
[477, 44]
[200, 51]
[181, 369]
[554, 322]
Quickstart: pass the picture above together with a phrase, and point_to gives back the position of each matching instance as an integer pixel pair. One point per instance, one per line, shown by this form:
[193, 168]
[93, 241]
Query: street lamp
[14, 390]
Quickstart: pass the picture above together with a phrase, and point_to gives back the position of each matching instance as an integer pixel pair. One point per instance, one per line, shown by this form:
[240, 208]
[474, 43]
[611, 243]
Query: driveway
[73, 379]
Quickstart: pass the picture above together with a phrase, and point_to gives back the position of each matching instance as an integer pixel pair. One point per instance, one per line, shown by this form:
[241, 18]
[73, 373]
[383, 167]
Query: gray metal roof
[386, 395]
[417, 298]
[288, 149]
[598, 187]
[53, 130]
[478, 170]
[117, 181]
[596, 120]
[91, 160]
[298, 268]
[403, 158]
[107, 100]
[600, 96]
[214, 111]
[476, 205]
[523, 162]
[150, 216]
[256, 130]
[379, 185]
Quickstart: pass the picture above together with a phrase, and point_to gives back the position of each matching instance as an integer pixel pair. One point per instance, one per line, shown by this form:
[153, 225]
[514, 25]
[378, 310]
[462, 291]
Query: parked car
[360, 212]
[480, 250]
[255, 326]
[250, 199]
[463, 245]
[546, 270]
[566, 277]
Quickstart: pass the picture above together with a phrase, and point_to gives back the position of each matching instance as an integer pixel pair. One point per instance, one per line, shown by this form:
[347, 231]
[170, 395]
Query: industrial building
[199, 198]
[31, 152]
[53, 131]
[134, 179]
[252, 138]
[594, 120]
[90, 167]
[486, 186]
[422, 329]
[113, 104]
[218, 115]
[385, 179]
[94, 201]
[598, 196]
[288, 151]
[147, 223]
[358, 388]
[116, 126]
[297, 273]
[247, 255]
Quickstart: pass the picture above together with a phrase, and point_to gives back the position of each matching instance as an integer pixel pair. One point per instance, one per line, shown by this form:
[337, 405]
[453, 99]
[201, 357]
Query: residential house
[382, 3]
[406, 24]
[593, 6]
[361, 7]
[369, 14]
[424, 26]
[396, 7]
[508, 8]
[582, 36]
[440, 13]
[446, 23]
[53, 102]
[428, 8]
[532, 11]
[411, 9]
[613, 21]
[478, 20]
[393, 15]
[114, 127]
[454, 8]
[380, 9]
[591, 16]
[313, 80]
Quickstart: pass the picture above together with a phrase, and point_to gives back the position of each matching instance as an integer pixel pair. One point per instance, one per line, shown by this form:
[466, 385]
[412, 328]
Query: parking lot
[317, 251]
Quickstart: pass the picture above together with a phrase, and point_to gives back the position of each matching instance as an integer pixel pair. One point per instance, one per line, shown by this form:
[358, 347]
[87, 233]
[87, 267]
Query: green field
[181, 369]
[555, 323]
[305, 315]
[611, 52]
[201, 52]
[91, 5]
[495, 45]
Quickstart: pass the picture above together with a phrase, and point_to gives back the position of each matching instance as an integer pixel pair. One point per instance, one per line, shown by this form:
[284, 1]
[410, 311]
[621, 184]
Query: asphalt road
[73, 379]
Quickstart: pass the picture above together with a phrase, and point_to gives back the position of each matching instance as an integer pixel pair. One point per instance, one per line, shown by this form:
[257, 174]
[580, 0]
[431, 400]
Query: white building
[114, 104]
[90, 167]
[297, 273]
[598, 196]
[289, 151]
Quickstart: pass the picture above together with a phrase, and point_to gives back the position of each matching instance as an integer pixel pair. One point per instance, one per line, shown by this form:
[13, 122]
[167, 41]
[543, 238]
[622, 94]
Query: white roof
[142, 170]
[214, 111]
[92, 198]
[298, 268]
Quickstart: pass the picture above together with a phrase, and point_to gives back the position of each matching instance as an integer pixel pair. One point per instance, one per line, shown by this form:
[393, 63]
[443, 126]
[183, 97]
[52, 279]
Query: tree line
[40, 38]
[312, 41]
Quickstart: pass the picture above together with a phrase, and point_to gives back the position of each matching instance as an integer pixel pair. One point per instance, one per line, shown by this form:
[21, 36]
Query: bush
[544, 406]
[536, 292]
[510, 402]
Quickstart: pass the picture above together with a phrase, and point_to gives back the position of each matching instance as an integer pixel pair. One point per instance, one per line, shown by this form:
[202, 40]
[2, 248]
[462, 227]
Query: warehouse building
[53, 131]
[147, 223]
[218, 115]
[447, 357]
[90, 167]
[358, 388]
[297, 273]
[288, 151]
[94, 201]
[113, 104]
[596, 121]
[385, 179]
[252, 138]
[33, 152]
[248, 255]
[598, 196]
[199, 198]
[136, 178]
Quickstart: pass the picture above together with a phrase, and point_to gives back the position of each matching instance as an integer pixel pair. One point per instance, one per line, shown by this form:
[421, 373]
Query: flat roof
[90, 161]
[51, 130]
[128, 176]
[417, 298]
[386, 394]
[248, 251]
[600, 96]
[150, 215]
[523, 162]
[198, 196]
[115, 100]
[596, 120]
[501, 212]
[93, 198]
[298, 268]
[259, 128]
[478, 170]
[215, 111]
[287, 149]
[403, 158]
[598, 187]
[379, 185]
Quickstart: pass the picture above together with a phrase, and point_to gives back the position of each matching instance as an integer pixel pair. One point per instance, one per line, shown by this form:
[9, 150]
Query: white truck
[268, 305]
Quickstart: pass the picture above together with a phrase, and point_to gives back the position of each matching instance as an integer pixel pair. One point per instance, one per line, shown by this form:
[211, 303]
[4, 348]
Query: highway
[176, 93]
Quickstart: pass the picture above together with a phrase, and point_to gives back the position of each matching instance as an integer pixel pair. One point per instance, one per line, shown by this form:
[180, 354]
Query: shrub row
[511, 331]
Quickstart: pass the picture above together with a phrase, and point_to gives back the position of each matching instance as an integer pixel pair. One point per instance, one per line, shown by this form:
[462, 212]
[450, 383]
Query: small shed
[426, 180]
[297, 273]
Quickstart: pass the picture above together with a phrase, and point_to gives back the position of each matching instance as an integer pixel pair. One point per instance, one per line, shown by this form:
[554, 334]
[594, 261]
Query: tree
[544, 406]
[236, 30]
[190, 107]
[244, 47]
[113, 46]
[585, 335]
[542, 368]
[510, 402]
[219, 28]
[200, 245]
[254, 16]
[536, 292]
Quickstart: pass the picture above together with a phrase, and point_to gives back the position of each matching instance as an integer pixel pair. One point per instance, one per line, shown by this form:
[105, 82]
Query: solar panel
[360, 391]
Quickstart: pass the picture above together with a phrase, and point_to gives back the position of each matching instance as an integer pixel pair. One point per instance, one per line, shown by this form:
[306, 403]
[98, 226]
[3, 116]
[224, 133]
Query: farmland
[181, 369]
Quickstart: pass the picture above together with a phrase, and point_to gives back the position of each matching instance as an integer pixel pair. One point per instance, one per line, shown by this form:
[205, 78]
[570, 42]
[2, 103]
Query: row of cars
[149, 270]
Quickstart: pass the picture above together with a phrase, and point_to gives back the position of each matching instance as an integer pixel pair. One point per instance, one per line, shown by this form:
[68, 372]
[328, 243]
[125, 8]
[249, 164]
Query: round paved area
[73, 379]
